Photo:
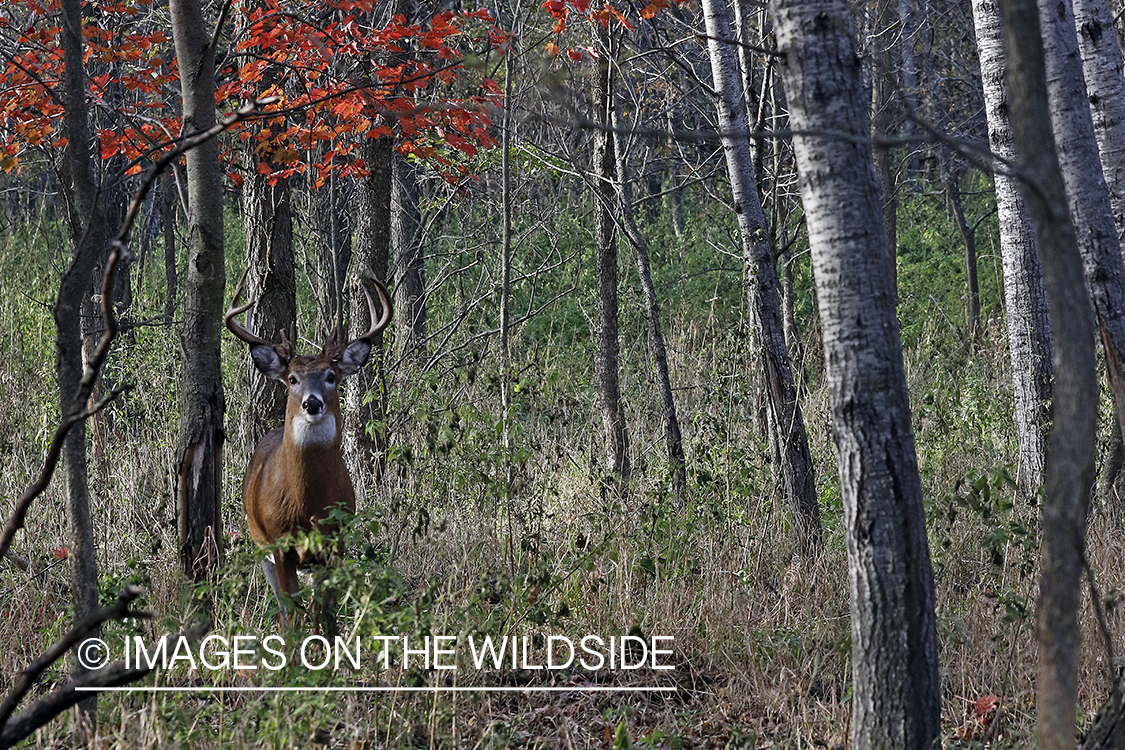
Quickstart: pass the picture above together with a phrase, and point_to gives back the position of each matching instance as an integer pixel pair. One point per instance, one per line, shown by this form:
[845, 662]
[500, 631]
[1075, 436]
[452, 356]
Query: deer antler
[385, 302]
[234, 311]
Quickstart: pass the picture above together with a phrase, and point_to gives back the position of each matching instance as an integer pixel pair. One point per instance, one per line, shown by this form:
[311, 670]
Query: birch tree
[1105, 88]
[1070, 458]
[1086, 190]
[1025, 296]
[763, 289]
[896, 695]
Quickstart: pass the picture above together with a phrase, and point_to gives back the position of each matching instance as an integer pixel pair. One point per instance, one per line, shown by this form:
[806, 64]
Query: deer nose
[313, 405]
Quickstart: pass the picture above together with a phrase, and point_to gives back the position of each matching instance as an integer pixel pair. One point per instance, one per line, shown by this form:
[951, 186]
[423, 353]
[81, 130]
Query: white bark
[895, 690]
[1086, 190]
[763, 288]
[1025, 297]
[1105, 86]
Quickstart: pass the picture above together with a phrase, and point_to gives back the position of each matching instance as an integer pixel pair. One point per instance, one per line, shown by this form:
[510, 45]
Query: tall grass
[443, 544]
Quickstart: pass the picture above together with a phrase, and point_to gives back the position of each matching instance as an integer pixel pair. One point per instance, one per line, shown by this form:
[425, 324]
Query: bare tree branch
[29, 676]
[120, 253]
[119, 673]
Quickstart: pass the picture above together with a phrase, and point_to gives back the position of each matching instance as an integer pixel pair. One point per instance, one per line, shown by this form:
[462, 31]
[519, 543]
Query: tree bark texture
[1105, 87]
[1025, 296]
[409, 265]
[1086, 190]
[605, 272]
[885, 116]
[200, 441]
[895, 687]
[1070, 457]
[267, 219]
[89, 235]
[370, 260]
[763, 289]
[168, 200]
[951, 180]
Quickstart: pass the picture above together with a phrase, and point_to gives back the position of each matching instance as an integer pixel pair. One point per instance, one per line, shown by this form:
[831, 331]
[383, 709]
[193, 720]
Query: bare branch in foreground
[29, 676]
[120, 253]
[20, 726]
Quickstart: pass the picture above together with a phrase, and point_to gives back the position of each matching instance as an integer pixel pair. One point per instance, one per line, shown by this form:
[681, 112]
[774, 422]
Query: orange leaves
[432, 103]
[654, 7]
[119, 42]
[604, 14]
[981, 724]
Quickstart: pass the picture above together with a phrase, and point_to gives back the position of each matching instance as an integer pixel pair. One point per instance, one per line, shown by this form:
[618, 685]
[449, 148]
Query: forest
[576, 374]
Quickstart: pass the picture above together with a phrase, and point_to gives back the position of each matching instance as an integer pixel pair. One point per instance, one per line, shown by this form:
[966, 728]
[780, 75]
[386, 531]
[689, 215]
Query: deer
[296, 476]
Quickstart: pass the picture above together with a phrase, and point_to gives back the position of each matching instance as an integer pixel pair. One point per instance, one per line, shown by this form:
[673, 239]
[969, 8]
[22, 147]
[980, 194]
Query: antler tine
[233, 311]
[385, 301]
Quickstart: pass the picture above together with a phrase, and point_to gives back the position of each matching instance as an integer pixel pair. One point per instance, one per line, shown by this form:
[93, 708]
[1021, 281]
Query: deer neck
[311, 447]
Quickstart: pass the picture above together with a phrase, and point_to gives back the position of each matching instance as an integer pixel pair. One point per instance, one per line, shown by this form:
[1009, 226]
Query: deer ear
[268, 361]
[354, 356]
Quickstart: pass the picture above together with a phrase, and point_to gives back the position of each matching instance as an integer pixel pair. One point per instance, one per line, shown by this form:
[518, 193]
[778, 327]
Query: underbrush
[461, 537]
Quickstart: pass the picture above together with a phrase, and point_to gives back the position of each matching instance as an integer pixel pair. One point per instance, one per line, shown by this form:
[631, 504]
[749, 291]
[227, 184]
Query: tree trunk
[331, 252]
[762, 288]
[792, 335]
[1111, 470]
[618, 466]
[1105, 86]
[410, 279]
[1070, 459]
[896, 696]
[370, 257]
[677, 465]
[200, 442]
[1025, 296]
[951, 180]
[883, 86]
[1086, 190]
[267, 220]
[675, 191]
[89, 235]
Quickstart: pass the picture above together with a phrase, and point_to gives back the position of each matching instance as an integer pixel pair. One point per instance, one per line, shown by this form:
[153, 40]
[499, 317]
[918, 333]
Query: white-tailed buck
[297, 476]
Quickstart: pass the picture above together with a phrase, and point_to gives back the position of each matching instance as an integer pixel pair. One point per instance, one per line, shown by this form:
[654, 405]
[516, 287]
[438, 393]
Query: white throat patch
[314, 430]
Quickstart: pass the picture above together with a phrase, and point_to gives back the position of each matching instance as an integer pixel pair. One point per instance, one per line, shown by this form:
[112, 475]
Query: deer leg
[270, 568]
[281, 572]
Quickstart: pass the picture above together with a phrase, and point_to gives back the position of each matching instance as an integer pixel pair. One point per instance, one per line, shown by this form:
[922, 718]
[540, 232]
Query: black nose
[313, 405]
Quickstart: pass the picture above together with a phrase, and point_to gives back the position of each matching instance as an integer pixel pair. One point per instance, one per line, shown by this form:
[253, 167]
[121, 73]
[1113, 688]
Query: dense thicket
[699, 326]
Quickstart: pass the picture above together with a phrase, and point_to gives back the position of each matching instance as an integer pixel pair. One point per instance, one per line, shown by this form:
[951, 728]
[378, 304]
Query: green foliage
[932, 286]
[496, 521]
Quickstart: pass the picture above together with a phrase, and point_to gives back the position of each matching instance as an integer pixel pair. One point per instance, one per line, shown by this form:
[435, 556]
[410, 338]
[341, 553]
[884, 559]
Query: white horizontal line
[389, 689]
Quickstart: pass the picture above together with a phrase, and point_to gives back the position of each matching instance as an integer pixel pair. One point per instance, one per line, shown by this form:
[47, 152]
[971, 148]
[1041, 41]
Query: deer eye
[330, 378]
[292, 380]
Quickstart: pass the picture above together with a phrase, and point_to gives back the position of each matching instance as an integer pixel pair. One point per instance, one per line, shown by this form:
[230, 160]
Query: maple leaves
[337, 79]
[603, 14]
[123, 68]
[341, 81]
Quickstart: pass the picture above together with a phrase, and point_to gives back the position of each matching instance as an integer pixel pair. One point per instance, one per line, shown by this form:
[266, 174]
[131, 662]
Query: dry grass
[761, 636]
